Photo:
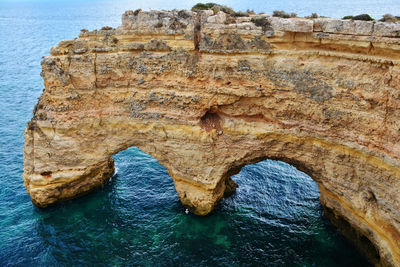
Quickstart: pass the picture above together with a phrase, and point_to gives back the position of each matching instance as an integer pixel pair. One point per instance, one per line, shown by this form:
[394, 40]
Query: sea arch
[322, 95]
[202, 171]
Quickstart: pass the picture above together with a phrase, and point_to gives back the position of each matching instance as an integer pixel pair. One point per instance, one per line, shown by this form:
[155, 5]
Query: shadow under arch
[137, 169]
[306, 174]
[285, 202]
[116, 225]
[357, 237]
[242, 229]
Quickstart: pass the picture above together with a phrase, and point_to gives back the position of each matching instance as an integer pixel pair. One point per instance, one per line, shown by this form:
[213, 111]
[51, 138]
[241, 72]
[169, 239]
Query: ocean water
[274, 219]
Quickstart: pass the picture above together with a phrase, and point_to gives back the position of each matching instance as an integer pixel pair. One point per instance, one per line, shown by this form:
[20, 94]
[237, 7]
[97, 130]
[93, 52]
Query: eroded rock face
[207, 94]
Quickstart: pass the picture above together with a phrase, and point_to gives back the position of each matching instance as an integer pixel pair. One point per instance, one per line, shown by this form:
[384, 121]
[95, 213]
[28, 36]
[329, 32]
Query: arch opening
[142, 180]
[189, 192]
[276, 231]
[286, 200]
[287, 186]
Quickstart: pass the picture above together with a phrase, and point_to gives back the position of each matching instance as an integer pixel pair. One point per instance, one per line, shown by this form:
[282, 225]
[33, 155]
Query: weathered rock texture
[207, 94]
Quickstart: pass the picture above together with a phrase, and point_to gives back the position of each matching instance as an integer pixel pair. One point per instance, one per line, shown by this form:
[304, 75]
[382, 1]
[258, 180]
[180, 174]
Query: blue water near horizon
[274, 219]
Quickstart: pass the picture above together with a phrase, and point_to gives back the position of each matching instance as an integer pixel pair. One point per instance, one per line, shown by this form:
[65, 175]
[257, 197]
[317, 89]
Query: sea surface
[274, 219]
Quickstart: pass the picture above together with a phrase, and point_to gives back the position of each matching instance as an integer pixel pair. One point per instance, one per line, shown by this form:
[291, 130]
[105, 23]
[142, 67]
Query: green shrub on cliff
[214, 7]
[201, 6]
[261, 22]
[364, 17]
[243, 14]
[218, 8]
[313, 16]
[283, 14]
[389, 18]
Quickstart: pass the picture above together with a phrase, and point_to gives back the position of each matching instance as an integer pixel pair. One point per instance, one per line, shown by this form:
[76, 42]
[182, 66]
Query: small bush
[250, 12]
[313, 16]
[214, 7]
[201, 6]
[364, 17]
[283, 14]
[389, 18]
[240, 14]
[280, 13]
[106, 28]
[225, 9]
[260, 21]
[348, 17]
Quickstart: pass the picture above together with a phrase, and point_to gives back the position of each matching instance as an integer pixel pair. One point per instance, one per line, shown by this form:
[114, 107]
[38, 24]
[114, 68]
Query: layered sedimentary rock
[207, 94]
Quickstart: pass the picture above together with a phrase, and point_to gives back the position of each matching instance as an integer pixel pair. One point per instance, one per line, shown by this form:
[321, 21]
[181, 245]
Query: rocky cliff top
[190, 30]
[179, 22]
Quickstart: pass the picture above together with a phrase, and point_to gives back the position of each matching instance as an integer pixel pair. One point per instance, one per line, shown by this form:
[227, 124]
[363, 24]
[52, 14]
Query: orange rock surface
[207, 94]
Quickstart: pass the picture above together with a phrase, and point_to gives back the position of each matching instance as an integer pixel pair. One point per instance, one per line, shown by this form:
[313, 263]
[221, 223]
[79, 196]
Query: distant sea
[274, 219]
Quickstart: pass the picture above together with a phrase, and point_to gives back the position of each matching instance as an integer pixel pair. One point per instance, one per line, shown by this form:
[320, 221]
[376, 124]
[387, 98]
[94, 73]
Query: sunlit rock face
[207, 94]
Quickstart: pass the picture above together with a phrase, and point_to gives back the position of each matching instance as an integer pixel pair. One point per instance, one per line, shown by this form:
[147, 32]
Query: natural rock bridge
[207, 94]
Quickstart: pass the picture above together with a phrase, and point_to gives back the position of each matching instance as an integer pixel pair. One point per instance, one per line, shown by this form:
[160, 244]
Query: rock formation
[207, 94]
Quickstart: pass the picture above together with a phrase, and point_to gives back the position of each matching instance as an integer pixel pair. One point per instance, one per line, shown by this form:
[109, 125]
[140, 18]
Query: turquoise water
[274, 219]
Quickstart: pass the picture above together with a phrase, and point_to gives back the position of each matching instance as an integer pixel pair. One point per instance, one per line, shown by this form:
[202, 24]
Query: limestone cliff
[207, 94]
